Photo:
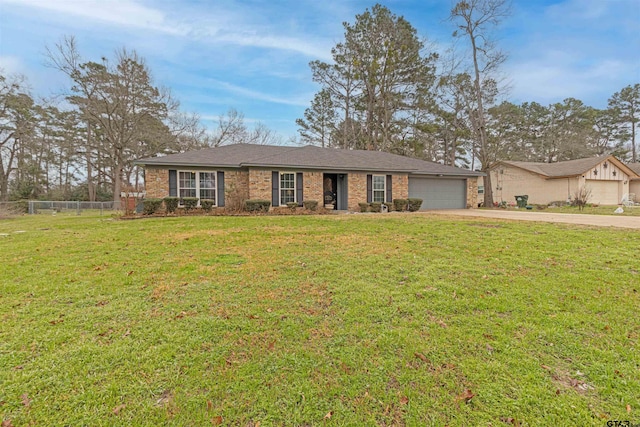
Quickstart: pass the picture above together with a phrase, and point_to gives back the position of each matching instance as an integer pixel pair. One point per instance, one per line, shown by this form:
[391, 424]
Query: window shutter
[299, 189]
[220, 191]
[389, 190]
[369, 188]
[173, 183]
[275, 188]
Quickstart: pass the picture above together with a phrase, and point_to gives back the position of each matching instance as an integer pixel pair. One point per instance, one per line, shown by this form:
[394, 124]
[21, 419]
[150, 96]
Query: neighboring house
[342, 178]
[606, 177]
[634, 183]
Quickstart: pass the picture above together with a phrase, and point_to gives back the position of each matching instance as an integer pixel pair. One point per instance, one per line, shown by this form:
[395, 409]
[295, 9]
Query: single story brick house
[282, 174]
[607, 177]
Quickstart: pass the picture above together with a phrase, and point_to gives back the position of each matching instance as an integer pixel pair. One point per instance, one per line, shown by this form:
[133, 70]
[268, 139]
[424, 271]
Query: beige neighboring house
[607, 177]
[634, 183]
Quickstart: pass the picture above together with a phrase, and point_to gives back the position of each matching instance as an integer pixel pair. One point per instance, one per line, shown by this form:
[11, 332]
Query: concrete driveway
[595, 220]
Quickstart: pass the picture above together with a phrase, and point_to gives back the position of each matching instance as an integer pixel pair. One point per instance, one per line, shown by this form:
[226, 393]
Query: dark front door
[330, 189]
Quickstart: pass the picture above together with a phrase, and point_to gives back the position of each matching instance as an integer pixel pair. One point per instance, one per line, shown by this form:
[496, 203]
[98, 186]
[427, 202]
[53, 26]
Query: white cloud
[118, 12]
[11, 65]
[316, 50]
[226, 26]
[249, 93]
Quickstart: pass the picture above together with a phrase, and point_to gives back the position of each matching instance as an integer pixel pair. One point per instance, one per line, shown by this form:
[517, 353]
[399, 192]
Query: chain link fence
[67, 207]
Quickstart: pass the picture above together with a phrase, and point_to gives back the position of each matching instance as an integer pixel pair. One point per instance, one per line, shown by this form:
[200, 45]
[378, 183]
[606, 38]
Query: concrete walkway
[595, 220]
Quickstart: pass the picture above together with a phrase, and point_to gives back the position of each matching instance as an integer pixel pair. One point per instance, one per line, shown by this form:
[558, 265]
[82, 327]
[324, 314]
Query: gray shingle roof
[307, 157]
[635, 167]
[560, 169]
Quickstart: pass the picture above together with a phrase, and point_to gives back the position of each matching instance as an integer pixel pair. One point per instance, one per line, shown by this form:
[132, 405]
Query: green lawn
[588, 210]
[317, 320]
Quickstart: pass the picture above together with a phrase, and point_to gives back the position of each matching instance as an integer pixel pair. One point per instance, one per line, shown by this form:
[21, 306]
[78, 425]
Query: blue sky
[253, 55]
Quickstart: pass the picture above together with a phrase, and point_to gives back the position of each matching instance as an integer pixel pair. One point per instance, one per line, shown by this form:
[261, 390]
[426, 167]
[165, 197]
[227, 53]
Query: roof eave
[185, 164]
[449, 174]
[325, 167]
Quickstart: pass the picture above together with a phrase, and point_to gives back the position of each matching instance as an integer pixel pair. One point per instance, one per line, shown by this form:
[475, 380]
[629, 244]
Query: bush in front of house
[311, 205]
[207, 204]
[400, 205]
[364, 207]
[375, 206]
[171, 204]
[292, 205]
[257, 205]
[414, 204]
[151, 206]
[189, 203]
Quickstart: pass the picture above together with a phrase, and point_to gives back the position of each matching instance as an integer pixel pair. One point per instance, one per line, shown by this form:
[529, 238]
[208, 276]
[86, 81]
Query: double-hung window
[379, 188]
[287, 188]
[207, 187]
[197, 184]
[187, 185]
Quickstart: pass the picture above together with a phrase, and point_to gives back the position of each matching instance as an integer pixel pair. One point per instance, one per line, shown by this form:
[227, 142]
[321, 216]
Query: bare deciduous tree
[475, 20]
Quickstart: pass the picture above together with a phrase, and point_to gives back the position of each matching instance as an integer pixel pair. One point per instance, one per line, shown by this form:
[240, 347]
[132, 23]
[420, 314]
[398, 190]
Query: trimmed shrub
[207, 204]
[375, 206]
[171, 204]
[292, 205]
[257, 205]
[150, 206]
[414, 204]
[311, 205]
[400, 205]
[189, 203]
[364, 207]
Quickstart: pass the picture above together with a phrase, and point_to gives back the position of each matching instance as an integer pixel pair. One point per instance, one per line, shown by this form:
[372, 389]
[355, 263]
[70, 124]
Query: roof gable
[568, 168]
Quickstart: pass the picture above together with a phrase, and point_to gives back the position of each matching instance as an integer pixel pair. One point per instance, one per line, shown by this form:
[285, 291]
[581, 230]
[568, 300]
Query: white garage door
[439, 193]
[603, 192]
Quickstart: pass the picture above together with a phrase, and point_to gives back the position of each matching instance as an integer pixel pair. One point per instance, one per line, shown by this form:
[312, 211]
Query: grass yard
[592, 210]
[317, 320]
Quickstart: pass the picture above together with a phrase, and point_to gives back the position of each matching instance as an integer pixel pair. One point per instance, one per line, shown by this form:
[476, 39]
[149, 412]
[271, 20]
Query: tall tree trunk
[117, 184]
[4, 194]
[91, 188]
[482, 131]
[634, 156]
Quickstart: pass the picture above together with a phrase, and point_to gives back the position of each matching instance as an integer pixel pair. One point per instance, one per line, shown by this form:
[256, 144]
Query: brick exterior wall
[236, 188]
[156, 182]
[400, 186]
[472, 192]
[241, 185]
[260, 184]
[313, 190]
[357, 190]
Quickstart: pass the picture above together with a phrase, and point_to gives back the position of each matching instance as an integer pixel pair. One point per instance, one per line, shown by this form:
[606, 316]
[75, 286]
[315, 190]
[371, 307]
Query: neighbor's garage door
[603, 192]
[439, 193]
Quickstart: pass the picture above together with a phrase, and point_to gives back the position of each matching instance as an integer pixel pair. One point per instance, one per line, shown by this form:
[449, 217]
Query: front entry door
[330, 190]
